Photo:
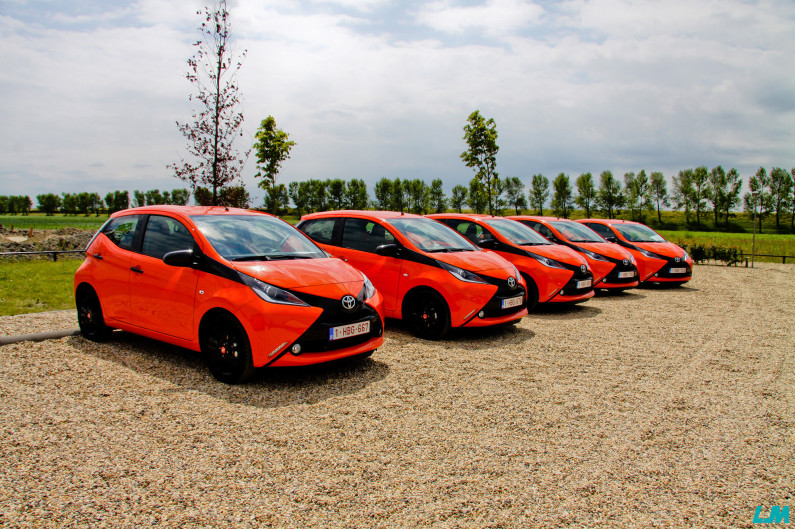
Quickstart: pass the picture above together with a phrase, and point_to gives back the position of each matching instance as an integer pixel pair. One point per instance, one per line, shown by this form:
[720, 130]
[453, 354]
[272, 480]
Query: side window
[163, 235]
[321, 231]
[365, 235]
[121, 231]
[543, 230]
[472, 231]
[601, 229]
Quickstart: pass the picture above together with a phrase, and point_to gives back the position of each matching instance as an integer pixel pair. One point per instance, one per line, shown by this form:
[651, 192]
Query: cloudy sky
[91, 89]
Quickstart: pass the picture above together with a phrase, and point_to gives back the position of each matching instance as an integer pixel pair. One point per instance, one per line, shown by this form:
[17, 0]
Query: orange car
[659, 261]
[613, 267]
[429, 276]
[553, 273]
[245, 288]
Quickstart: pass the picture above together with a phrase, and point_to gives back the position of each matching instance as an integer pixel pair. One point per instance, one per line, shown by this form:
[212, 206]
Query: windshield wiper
[446, 250]
[252, 258]
[288, 256]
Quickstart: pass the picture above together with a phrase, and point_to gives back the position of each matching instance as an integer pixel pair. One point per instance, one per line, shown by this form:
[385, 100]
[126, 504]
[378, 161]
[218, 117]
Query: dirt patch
[652, 408]
[44, 240]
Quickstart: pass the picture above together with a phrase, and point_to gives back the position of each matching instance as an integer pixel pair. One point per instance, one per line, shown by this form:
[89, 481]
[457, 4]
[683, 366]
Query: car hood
[668, 249]
[473, 261]
[606, 248]
[301, 273]
[558, 252]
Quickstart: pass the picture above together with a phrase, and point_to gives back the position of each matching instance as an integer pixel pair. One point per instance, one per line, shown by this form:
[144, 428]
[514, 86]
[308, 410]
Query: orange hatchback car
[554, 273]
[659, 261]
[430, 276]
[613, 267]
[245, 288]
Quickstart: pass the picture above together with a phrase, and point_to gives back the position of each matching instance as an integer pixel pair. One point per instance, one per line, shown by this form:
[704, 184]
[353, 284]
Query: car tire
[227, 349]
[428, 315]
[89, 316]
[532, 293]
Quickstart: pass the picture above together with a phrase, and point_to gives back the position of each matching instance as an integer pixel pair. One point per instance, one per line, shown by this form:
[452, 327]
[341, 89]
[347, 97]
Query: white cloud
[495, 17]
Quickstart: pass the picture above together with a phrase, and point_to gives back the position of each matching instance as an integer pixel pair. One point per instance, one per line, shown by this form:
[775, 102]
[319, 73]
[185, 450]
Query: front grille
[493, 308]
[570, 289]
[665, 273]
[612, 277]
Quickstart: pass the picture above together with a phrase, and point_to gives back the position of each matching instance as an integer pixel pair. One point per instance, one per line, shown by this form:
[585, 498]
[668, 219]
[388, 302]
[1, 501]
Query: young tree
[477, 198]
[139, 199]
[437, 198]
[643, 190]
[734, 185]
[539, 192]
[418, 196]
[154, 198]
[630, 192]
[48, 203]
[609, 196]
[318, 195]
[399, 202]
[356, 196]
[179, 197]
[716, 190]
[69, 203]
[758, 197]
[514, 192]
[562, 199]
[272, 148]
[383, 194]
[336, 192]
[215, 126]
[481, 137]
[780, 186]
[586, 193]
[276, 198]
[792, 203]
[498, 197]
[659, 192]
[700, 190]
[459, 198]
[683, 192]
[299, 193]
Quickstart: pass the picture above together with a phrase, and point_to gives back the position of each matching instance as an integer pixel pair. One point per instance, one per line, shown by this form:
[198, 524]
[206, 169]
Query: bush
[701, 253]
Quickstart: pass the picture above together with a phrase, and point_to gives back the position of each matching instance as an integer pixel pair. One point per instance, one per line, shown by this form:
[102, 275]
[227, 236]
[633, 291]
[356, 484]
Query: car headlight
[652, 255]
[593, 255]
[460, 273]
[369, 289]
[685, 257]
[546, 261]
[270, 293]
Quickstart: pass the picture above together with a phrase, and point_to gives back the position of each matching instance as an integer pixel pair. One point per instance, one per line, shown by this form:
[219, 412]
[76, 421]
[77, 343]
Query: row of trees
[15, 204]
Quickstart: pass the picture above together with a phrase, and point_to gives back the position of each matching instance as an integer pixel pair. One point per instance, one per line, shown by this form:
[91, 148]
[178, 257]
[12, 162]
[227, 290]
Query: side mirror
[388, 250]
[487, 243]
[612, 239]
[179, 258]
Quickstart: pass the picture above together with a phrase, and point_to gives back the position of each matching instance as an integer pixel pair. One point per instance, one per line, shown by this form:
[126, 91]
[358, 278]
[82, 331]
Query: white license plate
[512, 302]
[624, 275]
[678, 270]
[585, 283]
[347, 331]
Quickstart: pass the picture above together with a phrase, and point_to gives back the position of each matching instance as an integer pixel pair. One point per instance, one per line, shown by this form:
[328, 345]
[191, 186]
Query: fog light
[296, 349]
[656, 275]
[562, 293]
[481, 314]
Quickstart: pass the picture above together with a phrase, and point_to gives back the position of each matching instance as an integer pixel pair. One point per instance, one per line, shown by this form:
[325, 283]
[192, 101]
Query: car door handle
[136, 270]
[97, 256]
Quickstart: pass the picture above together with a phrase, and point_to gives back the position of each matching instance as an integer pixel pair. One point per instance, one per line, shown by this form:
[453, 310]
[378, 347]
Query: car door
[111, 266]
[162, 296]
[359, 240]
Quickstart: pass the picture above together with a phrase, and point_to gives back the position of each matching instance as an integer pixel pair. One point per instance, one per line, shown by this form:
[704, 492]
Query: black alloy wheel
[89, 317]
[227, 350]
[428, 315]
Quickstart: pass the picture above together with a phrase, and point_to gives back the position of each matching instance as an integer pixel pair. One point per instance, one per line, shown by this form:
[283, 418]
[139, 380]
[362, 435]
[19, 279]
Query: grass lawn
[36, 286]
[40, 221]
[766, 243]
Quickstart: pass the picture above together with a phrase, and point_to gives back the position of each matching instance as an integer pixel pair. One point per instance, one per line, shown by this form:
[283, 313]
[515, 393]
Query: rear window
[121, 231]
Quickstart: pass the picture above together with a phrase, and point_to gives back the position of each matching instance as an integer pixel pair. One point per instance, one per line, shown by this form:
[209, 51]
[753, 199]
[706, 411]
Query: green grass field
[766, 243]
[36, 286]
[39, 221]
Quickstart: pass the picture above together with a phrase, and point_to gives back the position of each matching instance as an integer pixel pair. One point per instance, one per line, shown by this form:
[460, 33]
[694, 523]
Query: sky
[90, 90]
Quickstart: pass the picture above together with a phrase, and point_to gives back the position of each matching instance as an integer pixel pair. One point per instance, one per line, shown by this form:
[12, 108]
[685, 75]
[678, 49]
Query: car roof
[190, 210]
[383, 215]
[540, 218]
[468, 216]
[609, 221]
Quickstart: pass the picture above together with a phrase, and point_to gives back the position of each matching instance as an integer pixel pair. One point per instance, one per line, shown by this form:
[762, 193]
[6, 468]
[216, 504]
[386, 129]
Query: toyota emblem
[626, 262]
[511, 282]
[348, 302]
[583, 268]
[676, 259]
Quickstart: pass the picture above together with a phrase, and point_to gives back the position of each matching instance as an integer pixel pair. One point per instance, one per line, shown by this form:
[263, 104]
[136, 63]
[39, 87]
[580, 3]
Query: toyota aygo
[430, 276]
[613, 267]
[553, 273]
[245, 288]
[659, 261]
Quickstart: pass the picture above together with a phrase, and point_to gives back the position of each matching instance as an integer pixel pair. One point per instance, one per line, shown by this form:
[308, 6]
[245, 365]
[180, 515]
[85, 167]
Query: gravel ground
[652, 408]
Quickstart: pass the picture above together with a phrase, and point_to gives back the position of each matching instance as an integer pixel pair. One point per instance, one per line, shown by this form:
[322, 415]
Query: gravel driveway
[652, 408]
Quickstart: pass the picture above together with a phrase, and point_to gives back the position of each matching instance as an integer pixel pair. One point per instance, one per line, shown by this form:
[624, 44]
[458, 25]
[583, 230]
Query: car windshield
[255, 238]
[516, 232]
[638, 233]
[576, 232]
[431, 236]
